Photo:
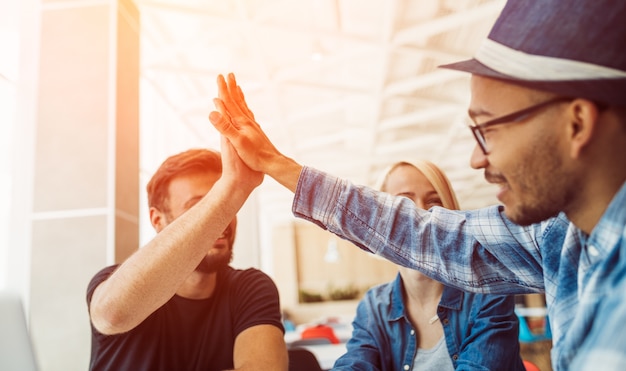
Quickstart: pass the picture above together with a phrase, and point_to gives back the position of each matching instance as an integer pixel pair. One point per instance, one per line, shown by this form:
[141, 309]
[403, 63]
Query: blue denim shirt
[474, 326]
[584, 279]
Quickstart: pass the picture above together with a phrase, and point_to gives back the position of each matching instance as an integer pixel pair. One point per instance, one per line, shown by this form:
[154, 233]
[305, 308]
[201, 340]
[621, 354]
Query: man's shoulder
[101, 276]
[247, 284]
[104, 273]
[243, 271]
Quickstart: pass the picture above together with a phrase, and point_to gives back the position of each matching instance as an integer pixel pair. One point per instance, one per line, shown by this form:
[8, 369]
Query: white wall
[9, 44]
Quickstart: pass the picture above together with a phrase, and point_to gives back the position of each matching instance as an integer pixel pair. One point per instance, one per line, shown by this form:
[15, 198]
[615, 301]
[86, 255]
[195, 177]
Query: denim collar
[606, 234]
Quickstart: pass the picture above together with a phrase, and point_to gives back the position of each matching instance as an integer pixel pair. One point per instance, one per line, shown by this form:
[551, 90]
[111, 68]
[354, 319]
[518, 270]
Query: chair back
[527, 336]
[309, 341]
[301, 359]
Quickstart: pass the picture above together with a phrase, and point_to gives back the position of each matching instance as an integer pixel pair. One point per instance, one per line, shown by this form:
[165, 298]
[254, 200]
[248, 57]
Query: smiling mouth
[494, 178]
[501, 191]
[498, 180]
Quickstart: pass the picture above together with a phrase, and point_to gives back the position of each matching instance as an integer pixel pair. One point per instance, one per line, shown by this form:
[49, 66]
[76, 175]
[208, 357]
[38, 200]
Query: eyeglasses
[515, 117]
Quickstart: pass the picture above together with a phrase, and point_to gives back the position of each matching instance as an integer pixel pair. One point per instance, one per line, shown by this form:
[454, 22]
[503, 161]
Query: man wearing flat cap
[548, 111]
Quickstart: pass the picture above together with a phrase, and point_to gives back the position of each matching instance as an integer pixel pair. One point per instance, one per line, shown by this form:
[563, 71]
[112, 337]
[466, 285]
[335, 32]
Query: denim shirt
[474, 326]
[584, 279]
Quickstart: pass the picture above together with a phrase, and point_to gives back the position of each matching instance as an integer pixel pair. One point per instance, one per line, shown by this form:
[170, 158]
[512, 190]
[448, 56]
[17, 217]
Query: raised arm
[236, 122]
[153, 274]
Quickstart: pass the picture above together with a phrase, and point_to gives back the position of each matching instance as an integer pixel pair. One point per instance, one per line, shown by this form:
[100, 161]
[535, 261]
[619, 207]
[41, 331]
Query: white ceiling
[347, 86]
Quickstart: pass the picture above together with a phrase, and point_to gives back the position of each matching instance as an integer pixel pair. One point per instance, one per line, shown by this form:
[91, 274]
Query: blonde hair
[435, 176]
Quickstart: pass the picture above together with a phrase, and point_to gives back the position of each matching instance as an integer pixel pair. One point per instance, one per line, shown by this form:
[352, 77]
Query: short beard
[214, 263]
[528, 216]
[547, 192]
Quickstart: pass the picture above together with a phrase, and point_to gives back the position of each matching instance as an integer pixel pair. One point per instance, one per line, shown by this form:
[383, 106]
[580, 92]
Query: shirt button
[445, 321]
[592, 250]
[412, 332]
[406, 367]
[455, 357]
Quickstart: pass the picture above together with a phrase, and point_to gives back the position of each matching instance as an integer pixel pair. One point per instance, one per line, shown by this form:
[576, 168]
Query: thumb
[220, 123]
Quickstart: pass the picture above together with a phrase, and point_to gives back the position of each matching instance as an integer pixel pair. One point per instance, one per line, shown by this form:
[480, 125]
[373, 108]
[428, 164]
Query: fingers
[222, 124]
[227, 92]
[224, 95]
[232, 113]
[233, 89]
[221, 107]
[234, 166]
[244, 104]
[232, 104]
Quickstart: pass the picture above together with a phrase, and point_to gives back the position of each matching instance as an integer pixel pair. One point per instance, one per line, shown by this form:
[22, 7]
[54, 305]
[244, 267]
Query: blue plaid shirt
[583, 277]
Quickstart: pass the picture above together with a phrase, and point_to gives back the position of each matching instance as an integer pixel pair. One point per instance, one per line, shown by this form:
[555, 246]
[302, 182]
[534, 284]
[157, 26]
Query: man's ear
[582, 125]
[157, 219]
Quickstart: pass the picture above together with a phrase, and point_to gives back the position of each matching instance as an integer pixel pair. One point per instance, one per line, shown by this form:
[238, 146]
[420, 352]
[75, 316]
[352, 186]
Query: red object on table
[530, 366]
[320, 331]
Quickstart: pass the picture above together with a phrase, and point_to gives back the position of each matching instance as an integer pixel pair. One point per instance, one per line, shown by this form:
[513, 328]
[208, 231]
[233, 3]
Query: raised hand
[234, 120]
[235, 170]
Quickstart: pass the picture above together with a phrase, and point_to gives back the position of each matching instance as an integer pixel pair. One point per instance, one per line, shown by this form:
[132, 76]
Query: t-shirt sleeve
[256, 301]
[100, 277]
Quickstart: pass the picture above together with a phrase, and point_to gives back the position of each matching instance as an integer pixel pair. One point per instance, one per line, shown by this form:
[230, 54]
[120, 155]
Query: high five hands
[234, 120]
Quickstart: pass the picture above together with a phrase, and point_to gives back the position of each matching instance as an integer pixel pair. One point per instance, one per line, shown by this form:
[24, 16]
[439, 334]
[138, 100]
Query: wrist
[285, 171]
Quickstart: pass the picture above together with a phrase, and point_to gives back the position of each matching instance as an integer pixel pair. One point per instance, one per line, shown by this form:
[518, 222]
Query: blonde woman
[416, 323]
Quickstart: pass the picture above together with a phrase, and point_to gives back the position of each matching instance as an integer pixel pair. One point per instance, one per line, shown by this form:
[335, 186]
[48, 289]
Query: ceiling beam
[409, 85]
[421, 31]
[421, 115]
[415, 142]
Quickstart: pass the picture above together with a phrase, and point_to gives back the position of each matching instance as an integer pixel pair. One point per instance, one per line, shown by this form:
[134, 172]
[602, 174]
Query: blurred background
[95, 94]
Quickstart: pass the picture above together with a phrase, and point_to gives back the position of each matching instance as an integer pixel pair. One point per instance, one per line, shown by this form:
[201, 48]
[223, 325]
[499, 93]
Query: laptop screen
[16, 351]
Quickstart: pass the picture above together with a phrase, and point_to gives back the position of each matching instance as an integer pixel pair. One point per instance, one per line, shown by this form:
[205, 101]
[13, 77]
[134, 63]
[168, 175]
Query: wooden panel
[354, 268]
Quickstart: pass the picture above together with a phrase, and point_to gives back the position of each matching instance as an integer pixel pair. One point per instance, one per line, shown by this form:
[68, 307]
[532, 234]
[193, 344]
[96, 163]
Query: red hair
[188, 162]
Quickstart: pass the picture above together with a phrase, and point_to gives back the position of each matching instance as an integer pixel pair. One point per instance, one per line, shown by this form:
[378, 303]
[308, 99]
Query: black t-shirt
[187, 334]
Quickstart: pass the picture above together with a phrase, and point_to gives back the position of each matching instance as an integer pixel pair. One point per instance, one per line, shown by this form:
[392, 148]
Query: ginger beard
[221, 253]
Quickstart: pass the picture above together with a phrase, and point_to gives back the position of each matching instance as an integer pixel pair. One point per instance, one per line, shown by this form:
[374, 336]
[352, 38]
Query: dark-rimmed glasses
[515, 117]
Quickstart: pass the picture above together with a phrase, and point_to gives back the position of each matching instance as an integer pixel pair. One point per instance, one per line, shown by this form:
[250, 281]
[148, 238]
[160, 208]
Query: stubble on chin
[542, 189]
[526, 216]
[214, 262]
